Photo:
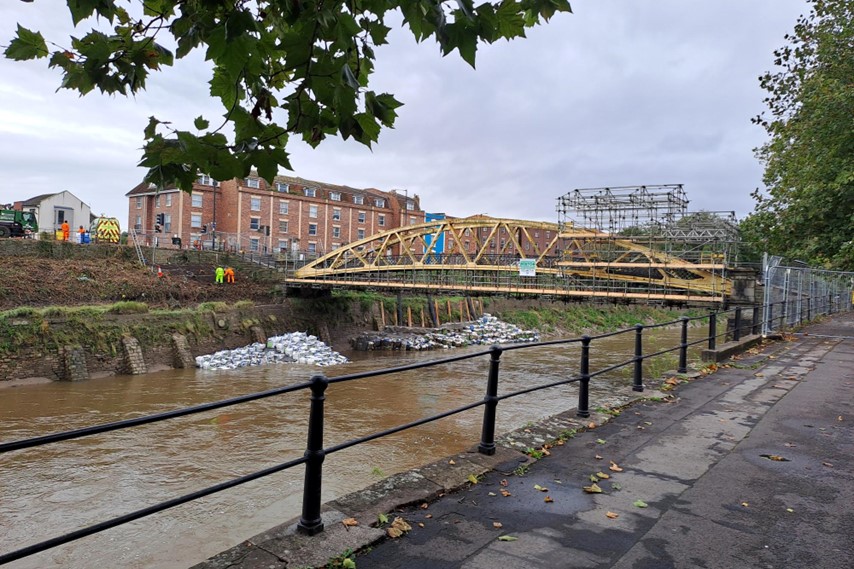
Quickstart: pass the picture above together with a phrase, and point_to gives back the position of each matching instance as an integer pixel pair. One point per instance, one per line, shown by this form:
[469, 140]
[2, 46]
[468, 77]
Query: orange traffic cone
[159, 271]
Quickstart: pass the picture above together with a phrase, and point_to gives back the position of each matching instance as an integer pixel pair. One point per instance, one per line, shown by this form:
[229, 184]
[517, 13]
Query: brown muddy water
[53, 489]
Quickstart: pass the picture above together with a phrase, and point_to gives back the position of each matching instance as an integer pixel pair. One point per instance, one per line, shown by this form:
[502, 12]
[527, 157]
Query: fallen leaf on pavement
[614, 467]
[472, 478]
[603, 476]
[504, 482]
[775, 457]
[830, 464]
[612, 515]
[505, 493]
[507, 538]
[616, 486]
[382, 519]
[497, 525]
[591, 425]
[601, 441]
[593, 478]
[428, 516]
[640, 504]
[745, 504]
[393, 532]
[548, 500]
[592, 489]
[540, 488]
[451, 462]
[492, 494]
[790, 510]
[425, 505]
[350, 522]
[598, 457]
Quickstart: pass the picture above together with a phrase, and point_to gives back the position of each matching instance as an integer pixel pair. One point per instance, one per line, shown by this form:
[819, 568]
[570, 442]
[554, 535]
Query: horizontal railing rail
[310, 521]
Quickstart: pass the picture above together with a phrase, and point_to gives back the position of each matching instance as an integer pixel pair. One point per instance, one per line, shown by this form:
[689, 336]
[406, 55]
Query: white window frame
[138, 224]
[253, 202]
[284, 207]
[310, 192]
[362, 217]
[312, 229]
[360, 233]
[139, 202]
[312, 246]
[358, 200]
[283, 226]
[205, 180]
[381, 220]
[379, 202]
[252, 183]
[254, 223]
[282, 187]
[254, 244]
[335, 196]
[336, 214]
[196, 200]
[410, 205]
[168, 200]
[195, 220]
[157, 200]
[312, 211]
[336, 231]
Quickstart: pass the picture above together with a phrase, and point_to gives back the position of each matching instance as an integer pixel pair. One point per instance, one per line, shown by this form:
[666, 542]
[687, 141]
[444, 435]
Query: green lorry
[15, 223]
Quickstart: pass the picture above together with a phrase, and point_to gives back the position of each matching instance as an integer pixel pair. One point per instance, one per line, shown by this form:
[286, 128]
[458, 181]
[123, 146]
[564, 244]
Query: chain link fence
[796, 293]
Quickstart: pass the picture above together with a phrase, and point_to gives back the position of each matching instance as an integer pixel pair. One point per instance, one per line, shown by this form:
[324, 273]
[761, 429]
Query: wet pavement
[750, 466]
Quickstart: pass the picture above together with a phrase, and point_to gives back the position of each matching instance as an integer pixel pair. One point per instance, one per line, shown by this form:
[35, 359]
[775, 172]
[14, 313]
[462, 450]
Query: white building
[52, 209]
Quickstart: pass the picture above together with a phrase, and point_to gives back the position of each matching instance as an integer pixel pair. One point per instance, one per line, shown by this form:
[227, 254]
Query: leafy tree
[807, 212]
[280, 68]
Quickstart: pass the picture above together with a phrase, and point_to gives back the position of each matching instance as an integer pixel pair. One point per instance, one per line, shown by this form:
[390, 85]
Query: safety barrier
[310, 521]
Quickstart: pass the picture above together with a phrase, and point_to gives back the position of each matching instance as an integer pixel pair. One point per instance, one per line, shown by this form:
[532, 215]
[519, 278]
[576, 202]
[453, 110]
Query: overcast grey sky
[622, 92]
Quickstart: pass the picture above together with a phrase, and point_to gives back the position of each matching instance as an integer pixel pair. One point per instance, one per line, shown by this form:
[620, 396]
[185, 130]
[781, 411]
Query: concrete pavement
[751, 466]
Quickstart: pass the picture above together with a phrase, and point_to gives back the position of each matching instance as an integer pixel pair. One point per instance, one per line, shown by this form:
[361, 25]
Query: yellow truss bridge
[482, 256]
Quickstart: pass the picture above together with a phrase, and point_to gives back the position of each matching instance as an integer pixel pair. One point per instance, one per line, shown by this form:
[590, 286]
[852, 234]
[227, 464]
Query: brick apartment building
[293, 215]
[472, 239]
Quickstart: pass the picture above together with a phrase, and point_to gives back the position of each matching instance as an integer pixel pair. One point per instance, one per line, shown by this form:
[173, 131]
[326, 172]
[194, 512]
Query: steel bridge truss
[482, 256]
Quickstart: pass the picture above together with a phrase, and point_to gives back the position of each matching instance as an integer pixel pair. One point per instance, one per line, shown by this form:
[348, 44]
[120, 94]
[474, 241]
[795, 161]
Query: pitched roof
[36, 200]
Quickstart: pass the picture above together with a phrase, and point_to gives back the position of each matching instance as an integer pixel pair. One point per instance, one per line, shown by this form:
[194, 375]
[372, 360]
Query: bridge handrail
[310, 522]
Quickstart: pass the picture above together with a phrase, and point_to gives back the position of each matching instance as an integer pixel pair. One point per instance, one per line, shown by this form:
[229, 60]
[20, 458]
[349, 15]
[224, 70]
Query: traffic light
[159, 221]
[204, 229]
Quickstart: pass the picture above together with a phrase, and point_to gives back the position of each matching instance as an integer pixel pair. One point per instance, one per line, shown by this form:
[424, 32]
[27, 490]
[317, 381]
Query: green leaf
[348, 563]
[150, 128]
[382, 519]
[507, 538]
[27, 45]
[640, 504]
[601, 441]
[472, 478]
[82, 9]
[200, 123]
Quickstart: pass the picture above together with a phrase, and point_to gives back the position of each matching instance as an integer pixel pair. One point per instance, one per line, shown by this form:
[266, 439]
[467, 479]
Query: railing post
[755, 320]
[683, 347]
[637, 383]
[584, 383]
[713, 330]
[770, 317]
[311, 523]
[736, 332]
[487, 433]
[809, 308]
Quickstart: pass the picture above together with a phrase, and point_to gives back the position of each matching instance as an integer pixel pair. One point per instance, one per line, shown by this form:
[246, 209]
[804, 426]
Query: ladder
[136, 246]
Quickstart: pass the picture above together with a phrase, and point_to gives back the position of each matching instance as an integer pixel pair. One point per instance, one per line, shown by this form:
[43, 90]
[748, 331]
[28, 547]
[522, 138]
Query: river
[60, 487]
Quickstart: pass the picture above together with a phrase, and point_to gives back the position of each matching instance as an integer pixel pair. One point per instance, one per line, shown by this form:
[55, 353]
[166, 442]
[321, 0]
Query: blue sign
[439, 247]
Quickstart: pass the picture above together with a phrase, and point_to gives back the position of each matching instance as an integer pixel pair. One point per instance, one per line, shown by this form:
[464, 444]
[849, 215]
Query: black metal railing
[315, 453]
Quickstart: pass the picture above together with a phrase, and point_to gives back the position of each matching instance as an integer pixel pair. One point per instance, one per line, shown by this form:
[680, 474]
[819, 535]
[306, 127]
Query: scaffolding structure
[648, 233]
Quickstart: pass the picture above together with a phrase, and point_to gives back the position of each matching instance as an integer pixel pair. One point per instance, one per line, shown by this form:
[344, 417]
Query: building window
[358, 199]
[379, 202]
[156, 201]
[138, 224]
[412, 221]
[283, 246]
[255, 223]
[283, 208]
[312, 247]
[168, 198]
[312, 229]
[283, 226]
[252, 183]
[282, 187]
[309, 192]
[335, 196]
[139, 202]
[312, 211]
[254, 244]
[410, 205]
[361, 217]
[206, 180]
[197, 200]
[196, 220]
[336, 246]
[336, 214]
[548, 234]
[381, 220]
[536, 233]
[255, 204]
[167, 222]
[360, 234]
[336, 232]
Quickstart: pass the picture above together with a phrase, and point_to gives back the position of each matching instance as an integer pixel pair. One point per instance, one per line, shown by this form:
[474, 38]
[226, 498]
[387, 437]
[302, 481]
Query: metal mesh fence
[796, 293]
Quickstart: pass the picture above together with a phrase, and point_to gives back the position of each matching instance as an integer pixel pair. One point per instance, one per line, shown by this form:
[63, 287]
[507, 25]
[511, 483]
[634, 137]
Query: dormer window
[252, 183]
[309, 192]
[282, 187]
[379, 202]
[206, 180]
[358, 199]
[335, 196]
[410, 205]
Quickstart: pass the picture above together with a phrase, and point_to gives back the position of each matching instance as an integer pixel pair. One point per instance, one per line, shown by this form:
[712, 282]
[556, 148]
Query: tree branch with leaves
[281, 68]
